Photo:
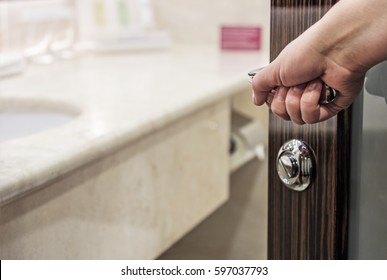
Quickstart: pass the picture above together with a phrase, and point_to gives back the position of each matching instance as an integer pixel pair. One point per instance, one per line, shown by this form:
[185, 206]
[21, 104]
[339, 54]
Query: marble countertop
[116, 99]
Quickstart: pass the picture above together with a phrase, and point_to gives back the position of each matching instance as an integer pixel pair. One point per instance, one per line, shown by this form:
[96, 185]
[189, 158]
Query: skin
[292, 83]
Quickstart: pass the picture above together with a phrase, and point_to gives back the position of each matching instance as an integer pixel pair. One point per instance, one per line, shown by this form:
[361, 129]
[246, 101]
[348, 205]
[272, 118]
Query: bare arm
[338, 49]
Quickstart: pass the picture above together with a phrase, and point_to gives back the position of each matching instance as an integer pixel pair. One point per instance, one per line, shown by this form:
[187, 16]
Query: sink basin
[21, 117]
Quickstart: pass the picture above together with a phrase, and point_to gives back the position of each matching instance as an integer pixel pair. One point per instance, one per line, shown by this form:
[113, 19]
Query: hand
[291, 85]
[337, 50]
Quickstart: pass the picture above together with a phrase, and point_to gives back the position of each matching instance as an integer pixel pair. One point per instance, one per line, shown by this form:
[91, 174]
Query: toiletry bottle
[99, 13]
[123, 13]
[146, 13]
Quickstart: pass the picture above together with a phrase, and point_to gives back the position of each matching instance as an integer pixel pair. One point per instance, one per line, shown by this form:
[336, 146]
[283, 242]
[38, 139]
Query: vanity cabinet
[132, 204]
[238, 229]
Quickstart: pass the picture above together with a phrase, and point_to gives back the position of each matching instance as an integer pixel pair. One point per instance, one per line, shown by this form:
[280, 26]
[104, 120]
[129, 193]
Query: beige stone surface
[132, 204]
[118, 98]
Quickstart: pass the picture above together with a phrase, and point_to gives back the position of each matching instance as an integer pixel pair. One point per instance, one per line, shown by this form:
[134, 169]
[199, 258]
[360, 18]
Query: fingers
[343, 100]
[263, 84]
[310, 109]
[286, 103]
[293, 103]
[278, 105]
[300, 104]
[313, 112]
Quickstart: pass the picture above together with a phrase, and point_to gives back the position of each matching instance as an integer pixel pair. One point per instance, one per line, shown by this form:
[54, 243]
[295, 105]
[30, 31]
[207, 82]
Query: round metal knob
[295, 165]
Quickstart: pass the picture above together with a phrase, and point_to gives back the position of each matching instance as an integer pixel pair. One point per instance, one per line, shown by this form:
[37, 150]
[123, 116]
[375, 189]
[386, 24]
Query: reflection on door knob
[288, 166]
[295, 165]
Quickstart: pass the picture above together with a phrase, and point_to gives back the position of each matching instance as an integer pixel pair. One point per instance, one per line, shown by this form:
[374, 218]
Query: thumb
[264, 82]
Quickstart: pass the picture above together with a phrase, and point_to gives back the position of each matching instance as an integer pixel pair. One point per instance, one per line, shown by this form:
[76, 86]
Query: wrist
[352, 34]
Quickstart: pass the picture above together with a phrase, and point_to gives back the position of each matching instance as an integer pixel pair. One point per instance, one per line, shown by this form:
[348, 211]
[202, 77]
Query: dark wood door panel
[311, 224]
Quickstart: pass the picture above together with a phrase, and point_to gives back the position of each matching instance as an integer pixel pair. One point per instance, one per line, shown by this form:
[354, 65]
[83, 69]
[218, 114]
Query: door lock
[295, 165]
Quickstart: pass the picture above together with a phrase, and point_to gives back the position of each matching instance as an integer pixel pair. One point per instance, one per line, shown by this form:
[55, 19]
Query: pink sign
[240, 38]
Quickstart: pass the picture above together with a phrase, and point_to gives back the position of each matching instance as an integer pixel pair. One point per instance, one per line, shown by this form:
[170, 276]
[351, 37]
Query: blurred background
[42, 32]
[36, 27]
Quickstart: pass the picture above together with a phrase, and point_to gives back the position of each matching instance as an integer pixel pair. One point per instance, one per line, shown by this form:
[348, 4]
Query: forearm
[353, 34]
[337, 50]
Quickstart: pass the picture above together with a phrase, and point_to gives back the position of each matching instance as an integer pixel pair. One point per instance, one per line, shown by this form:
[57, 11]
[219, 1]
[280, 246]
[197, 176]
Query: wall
[198, 21]
[26, 24]
[187, 21]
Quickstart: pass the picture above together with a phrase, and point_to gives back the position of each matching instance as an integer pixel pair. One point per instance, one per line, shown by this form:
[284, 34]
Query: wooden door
[311, 224]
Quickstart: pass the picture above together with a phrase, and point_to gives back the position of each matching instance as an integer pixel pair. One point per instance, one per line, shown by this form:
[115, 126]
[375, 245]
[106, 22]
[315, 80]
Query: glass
[11, 58]
[63, 32]
[49, 29]
[37, 38]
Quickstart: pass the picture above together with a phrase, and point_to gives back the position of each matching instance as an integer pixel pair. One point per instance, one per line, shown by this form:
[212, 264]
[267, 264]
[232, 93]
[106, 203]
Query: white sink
[23, 117]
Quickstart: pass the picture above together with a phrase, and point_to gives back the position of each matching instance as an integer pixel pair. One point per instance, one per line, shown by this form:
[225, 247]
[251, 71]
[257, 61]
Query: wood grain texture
[311, 224]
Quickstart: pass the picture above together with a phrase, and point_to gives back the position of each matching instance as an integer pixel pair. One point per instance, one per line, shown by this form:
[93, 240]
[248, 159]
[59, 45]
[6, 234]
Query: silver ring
[328, 94]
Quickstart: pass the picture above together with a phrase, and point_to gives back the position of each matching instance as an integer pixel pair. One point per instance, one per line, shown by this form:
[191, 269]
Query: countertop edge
[107, 145]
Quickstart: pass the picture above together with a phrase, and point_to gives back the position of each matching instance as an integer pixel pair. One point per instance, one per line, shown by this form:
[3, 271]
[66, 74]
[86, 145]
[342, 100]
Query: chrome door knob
[295, 165]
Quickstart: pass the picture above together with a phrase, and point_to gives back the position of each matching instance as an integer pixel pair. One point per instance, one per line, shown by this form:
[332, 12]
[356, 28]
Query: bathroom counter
[143, 161]
[117, 98]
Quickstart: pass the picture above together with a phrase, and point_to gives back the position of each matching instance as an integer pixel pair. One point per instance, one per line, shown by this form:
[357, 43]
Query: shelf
[247, 139]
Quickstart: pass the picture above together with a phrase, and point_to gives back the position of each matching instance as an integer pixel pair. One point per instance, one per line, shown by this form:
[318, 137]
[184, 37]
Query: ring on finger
[328, 94]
